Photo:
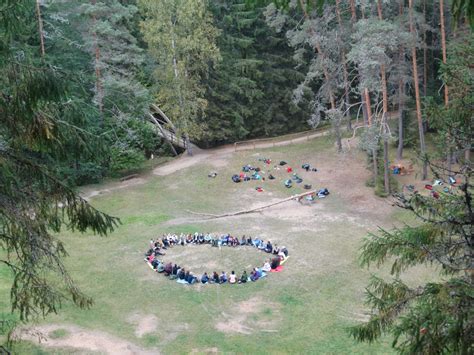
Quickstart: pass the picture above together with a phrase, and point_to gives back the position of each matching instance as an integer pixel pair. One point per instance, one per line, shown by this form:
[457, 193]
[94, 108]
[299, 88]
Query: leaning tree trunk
[417, 95]
[40, 27]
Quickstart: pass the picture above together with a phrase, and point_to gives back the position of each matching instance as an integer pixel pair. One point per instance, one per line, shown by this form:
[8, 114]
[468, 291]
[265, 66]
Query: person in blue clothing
[223, 278]
[205, 278]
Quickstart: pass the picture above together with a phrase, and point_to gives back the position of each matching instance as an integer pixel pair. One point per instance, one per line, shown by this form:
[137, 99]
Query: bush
[123, 160]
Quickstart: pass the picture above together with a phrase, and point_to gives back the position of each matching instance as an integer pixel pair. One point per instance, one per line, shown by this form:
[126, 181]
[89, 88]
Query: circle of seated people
[183, 275]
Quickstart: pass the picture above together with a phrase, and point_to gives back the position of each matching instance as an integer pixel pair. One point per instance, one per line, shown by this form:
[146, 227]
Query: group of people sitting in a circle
[180, 274]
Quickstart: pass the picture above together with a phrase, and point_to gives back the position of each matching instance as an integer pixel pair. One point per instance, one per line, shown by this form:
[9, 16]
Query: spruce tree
[37, 117]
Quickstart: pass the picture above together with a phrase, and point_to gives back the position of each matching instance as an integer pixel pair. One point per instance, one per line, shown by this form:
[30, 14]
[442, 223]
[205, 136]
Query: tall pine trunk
[98, 75]
[40, 27]
[417, 94]
[344, 69]
[401, 94]
[386, 176]
[362, 92]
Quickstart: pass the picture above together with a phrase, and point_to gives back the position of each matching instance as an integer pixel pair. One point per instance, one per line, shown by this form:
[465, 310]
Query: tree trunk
[401, 114]
[449, 152]
[364, 110]
[425, 55]
[401, 93]
[344, 69]
[417, 96]
[98, 75]
[40, 27]
[443, 47]
[375, 166]
[181, 101]
[367, 106]
[386, 176]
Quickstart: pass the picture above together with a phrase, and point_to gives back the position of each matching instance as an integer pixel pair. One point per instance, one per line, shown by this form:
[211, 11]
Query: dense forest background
[231, 70]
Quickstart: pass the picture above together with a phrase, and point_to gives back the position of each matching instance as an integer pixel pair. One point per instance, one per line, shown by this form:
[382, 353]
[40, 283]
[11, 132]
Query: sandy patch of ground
[144, 324]
[81, 339]
[239, 320]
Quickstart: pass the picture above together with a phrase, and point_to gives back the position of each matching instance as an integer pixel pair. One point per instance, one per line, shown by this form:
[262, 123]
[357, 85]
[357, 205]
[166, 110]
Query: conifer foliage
[37, 125]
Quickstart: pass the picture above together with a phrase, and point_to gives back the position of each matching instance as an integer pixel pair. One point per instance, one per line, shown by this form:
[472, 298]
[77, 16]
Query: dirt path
[224, 152]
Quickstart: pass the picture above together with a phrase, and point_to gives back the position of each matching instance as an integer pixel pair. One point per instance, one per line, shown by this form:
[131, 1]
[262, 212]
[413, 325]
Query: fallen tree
[255, 209]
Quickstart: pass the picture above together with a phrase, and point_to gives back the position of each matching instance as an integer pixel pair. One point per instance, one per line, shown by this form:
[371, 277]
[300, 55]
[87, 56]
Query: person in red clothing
[289, 170]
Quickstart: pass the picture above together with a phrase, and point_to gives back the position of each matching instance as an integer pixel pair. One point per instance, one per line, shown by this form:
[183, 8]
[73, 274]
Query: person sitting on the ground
[232, 277]
[190, 278]
[283, 163]
[223, 278]
[189, 239]
[284, 250]
[160, 267]
[235, 178]
[181, 273]
[205, 278]
[154, 263]
[168, 269]
[243, 278]
[212, 175]
[249, 241]
[148, 253]
[259, 272]
[243, 241]
[306, 167]
[254, 275]
[157, 251]
[288, 183]
[150, 258]
[175, 269]
[289, 170]
[215, 277]
[262, 245]
[307, 187]
[271, 177]
[275, 263]
[266, 267]
[268, 247]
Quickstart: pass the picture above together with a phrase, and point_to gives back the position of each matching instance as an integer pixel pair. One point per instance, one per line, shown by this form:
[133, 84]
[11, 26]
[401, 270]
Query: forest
[98, 91]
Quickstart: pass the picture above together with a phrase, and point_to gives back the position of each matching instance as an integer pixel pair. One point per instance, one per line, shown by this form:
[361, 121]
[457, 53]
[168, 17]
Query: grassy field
[305, 309]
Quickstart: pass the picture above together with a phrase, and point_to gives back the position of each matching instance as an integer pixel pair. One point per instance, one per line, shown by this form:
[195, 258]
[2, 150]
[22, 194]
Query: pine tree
[436, 317]
[37, 118]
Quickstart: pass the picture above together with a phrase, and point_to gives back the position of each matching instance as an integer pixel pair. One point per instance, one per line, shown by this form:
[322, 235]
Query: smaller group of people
[182, 275]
